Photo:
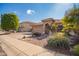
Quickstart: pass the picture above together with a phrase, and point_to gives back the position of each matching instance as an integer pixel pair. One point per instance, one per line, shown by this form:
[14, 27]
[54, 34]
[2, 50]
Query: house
[42, 27]
[25, 26]
[38, 27]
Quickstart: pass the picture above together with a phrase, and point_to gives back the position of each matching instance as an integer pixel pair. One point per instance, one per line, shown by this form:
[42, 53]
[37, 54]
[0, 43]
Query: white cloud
[30, 12]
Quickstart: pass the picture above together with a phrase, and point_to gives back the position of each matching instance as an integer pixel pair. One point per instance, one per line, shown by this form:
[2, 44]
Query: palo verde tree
[9, 21]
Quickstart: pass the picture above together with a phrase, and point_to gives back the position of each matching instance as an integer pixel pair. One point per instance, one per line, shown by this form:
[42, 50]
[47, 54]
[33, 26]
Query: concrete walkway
[2, 53]
[16, 47]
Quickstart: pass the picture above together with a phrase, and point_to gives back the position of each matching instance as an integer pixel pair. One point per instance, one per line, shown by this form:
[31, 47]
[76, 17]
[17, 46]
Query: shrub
[54, 27]
[75, 50]
[71, 20]
[9, 21]
[58, 40]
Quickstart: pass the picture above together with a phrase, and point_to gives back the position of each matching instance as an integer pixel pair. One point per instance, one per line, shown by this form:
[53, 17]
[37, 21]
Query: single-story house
[41, 27]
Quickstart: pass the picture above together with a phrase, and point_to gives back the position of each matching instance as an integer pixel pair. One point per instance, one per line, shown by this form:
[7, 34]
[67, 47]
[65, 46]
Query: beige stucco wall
[41, 27]
[25, 27]
[38, 28]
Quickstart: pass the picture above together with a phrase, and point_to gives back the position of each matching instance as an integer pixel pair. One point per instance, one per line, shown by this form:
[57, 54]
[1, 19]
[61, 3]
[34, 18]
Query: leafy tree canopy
[9, 21]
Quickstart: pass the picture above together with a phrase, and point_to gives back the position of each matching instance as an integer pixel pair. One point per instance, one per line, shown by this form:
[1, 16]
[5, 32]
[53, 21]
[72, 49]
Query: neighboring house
[25, 26]
[41, 27]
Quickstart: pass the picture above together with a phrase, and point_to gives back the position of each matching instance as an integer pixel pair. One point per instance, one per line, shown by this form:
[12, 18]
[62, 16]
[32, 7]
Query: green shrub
[9, 21]
[54, 26]
[71, 20]
[58, 40]
[75, 50]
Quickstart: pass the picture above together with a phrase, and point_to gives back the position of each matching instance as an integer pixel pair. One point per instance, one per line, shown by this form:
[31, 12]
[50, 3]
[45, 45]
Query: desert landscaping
[34, 41]
[49, 37]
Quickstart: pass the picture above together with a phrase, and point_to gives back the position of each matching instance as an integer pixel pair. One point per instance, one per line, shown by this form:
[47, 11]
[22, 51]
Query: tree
[9, 21]
[71, 19]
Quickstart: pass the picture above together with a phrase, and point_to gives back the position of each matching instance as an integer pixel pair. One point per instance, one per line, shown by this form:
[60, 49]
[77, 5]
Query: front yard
[42, 42]
[57, 43]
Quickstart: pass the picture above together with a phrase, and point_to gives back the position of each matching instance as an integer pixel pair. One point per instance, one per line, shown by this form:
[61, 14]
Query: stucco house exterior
[25, 26]
[40, 27]
[37, 28]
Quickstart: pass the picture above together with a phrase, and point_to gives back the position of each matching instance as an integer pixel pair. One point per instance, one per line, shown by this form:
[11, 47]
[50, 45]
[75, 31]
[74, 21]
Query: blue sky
[35, 12]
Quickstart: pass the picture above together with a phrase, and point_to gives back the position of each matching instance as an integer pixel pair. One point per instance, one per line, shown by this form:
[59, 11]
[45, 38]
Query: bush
[71, 20]
[9, 21]
[75, 50]
[58, 40]
[54, 27]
